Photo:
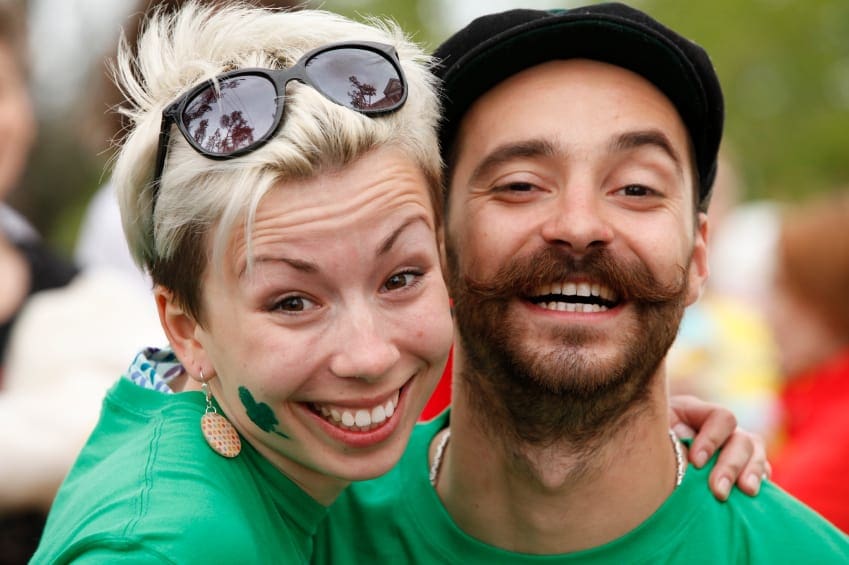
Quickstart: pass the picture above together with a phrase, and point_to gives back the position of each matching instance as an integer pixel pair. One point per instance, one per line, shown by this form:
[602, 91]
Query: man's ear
[443, 257]
[181, 329]
[699, 268]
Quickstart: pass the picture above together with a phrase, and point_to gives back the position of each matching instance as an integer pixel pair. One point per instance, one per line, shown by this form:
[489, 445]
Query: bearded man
[581, 148]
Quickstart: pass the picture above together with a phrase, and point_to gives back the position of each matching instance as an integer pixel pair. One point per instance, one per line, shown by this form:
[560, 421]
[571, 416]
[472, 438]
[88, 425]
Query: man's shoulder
[784, 516]
[772, 526]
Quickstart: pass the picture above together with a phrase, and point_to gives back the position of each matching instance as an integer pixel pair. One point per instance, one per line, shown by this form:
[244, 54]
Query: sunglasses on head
[239, 111]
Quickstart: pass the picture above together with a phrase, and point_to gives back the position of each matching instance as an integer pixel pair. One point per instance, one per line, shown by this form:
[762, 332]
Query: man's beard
[540, 395]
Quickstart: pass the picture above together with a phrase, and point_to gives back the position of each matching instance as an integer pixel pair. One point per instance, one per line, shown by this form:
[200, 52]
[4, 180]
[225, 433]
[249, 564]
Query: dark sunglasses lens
[357, 78]
[232, 117]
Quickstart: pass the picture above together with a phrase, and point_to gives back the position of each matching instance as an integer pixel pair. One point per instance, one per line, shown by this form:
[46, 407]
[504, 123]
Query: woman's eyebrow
[386, 244]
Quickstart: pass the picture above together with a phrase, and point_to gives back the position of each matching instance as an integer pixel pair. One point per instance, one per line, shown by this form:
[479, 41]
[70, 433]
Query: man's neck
[554, 499]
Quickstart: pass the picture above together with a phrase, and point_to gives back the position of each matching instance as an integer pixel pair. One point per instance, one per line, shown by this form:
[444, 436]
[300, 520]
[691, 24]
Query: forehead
[354, 201]
[575, 103]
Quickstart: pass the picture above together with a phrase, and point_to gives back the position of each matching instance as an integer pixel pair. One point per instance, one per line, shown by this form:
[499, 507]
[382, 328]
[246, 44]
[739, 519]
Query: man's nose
[577, 221]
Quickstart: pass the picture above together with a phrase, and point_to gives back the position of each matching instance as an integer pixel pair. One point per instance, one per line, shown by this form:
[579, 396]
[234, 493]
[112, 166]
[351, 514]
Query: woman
[296, 258]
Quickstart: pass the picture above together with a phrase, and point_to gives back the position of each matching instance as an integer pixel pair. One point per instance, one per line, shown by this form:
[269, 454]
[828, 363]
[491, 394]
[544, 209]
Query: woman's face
[326, 350]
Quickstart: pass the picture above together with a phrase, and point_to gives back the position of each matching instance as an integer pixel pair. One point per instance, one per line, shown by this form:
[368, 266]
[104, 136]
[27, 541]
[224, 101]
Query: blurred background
[784, 66]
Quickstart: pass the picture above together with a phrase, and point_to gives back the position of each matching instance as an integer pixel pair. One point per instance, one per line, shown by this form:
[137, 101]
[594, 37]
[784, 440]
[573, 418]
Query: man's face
[571, 235]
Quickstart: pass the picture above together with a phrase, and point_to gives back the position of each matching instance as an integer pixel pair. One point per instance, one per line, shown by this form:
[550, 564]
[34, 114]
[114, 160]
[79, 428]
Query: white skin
[345, 308]
[618, 175]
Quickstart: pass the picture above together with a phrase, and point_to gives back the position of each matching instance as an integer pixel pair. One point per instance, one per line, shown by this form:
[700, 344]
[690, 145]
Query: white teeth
[378, 414]
[362, 419]
[565, 307]
[582, 289]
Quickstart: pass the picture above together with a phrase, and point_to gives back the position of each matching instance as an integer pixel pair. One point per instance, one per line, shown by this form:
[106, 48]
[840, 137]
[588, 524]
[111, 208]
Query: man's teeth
[577, 289]
[359, 419]
[573, 307]
[593, 297]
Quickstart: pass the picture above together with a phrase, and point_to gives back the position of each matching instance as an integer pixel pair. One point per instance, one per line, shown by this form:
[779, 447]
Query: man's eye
[637, 190]
[400, 280]
[516, 187]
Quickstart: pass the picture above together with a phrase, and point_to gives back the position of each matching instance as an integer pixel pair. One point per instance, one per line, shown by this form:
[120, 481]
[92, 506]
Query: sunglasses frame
[279, 78]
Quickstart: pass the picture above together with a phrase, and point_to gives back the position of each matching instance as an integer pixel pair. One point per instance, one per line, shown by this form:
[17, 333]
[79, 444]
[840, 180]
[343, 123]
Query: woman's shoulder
[146, 482]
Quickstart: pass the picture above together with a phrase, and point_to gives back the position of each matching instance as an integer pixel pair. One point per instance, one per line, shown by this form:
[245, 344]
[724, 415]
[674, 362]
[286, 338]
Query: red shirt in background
[813, 463]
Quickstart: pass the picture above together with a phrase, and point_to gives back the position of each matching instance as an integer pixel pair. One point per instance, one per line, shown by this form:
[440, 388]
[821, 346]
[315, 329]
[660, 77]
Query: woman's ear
[181, 330]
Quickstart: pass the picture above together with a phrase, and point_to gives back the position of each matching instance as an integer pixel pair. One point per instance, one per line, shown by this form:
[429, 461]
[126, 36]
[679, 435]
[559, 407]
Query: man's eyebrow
[529, 148]
[642, 138]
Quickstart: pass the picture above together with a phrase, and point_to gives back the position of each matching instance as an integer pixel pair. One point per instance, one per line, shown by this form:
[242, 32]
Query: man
[581, 149]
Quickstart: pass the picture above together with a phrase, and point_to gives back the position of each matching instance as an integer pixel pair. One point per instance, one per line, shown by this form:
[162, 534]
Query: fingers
[757, 468]
[732, 466]
[713, 424]
[743, 457]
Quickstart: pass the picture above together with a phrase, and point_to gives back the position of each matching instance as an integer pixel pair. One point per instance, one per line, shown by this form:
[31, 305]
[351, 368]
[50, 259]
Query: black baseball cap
[494, 47]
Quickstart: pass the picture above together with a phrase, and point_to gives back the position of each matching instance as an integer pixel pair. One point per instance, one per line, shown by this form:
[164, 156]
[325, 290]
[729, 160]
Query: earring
[217, 430]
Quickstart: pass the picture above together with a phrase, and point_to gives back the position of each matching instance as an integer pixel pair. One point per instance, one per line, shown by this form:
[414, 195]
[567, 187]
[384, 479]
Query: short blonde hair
[197, 195]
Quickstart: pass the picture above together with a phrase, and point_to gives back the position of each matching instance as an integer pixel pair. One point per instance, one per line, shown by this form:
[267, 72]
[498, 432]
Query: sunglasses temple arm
[162, 150]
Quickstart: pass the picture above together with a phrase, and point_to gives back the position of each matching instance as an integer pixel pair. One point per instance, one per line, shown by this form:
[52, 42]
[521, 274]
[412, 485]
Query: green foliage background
[784, 66]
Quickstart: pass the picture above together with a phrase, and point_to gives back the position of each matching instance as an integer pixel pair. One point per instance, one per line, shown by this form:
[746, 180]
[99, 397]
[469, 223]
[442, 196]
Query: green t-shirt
[147, 488]
[398, 518]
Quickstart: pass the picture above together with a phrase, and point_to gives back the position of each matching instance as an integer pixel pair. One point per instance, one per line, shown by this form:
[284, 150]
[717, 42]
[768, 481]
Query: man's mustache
[631, 281]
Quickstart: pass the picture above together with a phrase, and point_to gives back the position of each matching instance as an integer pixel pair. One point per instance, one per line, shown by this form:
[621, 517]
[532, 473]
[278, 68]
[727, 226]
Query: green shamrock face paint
[260, 413]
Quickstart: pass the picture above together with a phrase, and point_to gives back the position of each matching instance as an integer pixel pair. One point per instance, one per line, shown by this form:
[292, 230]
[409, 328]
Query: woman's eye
[294, 304]
[400, 280]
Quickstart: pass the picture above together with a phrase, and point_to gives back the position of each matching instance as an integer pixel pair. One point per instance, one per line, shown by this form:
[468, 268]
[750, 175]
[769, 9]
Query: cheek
[487, 244]
[429, 331]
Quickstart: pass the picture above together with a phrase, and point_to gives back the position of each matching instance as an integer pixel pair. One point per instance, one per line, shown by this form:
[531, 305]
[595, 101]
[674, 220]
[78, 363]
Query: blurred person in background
[27, 267]
[27, 264]
[809, 314]
[724, 351]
